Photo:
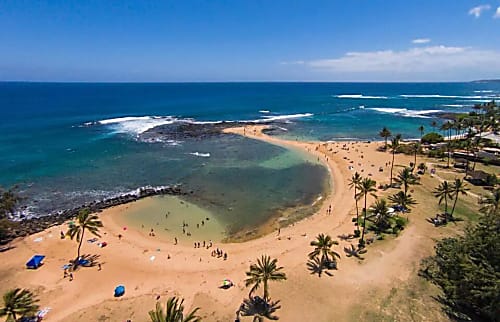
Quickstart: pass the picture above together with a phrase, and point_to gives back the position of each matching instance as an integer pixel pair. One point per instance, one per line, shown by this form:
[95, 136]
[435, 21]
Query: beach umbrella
[119, 290]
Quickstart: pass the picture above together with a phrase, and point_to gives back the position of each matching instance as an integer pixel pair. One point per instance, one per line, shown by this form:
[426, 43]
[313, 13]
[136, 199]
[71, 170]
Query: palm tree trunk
[266, 294]
[392, 166]
[80, 244]
[445, 205]
[415, 160]
[364, 225]
[385, 143]
[454, 204]
[14, 316]
[357, 210]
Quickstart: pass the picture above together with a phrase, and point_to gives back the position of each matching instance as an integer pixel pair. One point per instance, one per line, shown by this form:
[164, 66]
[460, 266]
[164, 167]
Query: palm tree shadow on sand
[318, 266]
[87, 260]
[355, 252]
[259, 308]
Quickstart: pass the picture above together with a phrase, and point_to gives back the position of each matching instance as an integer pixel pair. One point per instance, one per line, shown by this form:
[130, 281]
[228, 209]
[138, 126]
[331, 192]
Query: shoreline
[150, 267]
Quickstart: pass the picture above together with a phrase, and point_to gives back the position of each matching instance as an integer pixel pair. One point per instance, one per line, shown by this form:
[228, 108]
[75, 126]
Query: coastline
[141, 263]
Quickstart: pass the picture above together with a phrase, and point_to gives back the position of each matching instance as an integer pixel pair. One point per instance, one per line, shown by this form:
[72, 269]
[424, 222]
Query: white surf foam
[405, 112]
[357, 96]
[264, 111]
[484, 91]
[199, 154]
[136, 124]
[268, 118]
[453, 105]
[443, 96]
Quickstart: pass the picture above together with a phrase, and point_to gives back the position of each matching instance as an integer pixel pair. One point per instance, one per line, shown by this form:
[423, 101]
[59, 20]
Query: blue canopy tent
[35, 261]
[119, 290]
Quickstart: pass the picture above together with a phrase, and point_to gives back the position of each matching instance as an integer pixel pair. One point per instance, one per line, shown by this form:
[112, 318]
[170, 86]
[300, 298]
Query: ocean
[68, 143]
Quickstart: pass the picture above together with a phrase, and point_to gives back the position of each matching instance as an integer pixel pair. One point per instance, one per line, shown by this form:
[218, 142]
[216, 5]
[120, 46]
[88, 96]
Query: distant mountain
[487, 81]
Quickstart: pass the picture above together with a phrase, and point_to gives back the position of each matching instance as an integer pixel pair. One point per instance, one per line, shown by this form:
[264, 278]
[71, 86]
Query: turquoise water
[68, 143]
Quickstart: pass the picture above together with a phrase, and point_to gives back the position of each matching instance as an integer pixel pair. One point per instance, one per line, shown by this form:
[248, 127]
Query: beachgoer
[70, 277]
[62, 234]
[175, 240]
[120, 236]
[225, 256]
[99, 267]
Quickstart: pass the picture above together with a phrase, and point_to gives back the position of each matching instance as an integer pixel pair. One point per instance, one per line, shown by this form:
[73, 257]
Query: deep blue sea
[64, 143]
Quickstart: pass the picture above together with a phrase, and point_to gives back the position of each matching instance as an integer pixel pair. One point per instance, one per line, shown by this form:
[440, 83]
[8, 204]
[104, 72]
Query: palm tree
[85, 220]
[381, 212]
[443, 192]
[406, 178]
[421, 130]
[416, 148]
[491, 203]
[434, 125]
[458, 187]
[403, 200]
[394, 146]
[259, 308]
[265, 270]
[323, 246]
[174, 312]
[18, 303]
[385, 133]
[366, 187]
[354, 183]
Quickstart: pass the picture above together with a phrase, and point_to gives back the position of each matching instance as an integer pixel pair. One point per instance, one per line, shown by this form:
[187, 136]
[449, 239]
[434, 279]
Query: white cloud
[497, 13]
[296, 62]
[477, 11]
[431, 60]
[421, 41]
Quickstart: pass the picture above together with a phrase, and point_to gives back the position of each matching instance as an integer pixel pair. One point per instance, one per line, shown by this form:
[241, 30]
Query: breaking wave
[405, 112]
[357, 96]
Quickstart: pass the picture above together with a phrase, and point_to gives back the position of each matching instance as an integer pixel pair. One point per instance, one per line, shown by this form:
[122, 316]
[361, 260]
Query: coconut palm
[404, 200]
[421, 130]
[174, 312]
[443, 192]
[323, 246]
[354, 183]
[406, 178]
[265, 270]
[366, 187]
[458, 187]
[491, 203]
[84, 221]
[416, 148]
[434, 125]
[18, 303]
[259, 308]
[394, 146]
[385, 133]
[381, 212]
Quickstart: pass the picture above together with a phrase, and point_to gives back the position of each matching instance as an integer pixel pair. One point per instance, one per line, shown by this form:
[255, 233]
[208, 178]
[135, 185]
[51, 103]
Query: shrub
[432, 138]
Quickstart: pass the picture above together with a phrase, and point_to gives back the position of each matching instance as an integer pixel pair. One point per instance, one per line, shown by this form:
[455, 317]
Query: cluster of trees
[467, 268]
[378, 213]
[8, 201]
[450, 191]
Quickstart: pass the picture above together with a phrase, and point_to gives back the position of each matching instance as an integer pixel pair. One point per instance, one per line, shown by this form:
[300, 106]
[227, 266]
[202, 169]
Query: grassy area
[409, 301]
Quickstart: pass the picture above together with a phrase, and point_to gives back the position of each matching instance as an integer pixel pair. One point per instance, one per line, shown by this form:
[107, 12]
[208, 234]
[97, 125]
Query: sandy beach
[151, 267]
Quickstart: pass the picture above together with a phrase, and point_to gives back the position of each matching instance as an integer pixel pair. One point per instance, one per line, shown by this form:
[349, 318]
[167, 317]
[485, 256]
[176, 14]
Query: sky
[259, 40]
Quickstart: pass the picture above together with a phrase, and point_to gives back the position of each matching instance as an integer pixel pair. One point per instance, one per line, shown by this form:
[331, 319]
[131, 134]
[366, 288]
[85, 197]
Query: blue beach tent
[119, 290]
[35, 261]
